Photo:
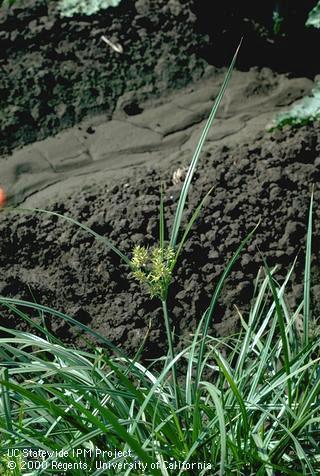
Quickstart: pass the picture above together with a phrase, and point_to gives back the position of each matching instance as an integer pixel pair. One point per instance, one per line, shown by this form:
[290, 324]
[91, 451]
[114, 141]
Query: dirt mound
[55, 71]
[270, 179]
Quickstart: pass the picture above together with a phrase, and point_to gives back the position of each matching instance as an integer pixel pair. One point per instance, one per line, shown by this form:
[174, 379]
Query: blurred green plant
[314, 17]
[277, 19]
[277, 22]
[303, 112]
[69, 8]
[281, 11]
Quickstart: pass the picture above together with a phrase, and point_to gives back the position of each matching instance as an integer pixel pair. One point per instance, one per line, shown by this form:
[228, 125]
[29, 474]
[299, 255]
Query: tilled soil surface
[53, 262]
[55, 71]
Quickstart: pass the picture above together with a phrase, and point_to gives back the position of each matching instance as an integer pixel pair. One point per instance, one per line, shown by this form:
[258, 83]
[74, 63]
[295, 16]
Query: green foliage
[6, 461]
[314, 17]
[68, 8]
[277, 19]
[238, 420]
[245, 405]
[303, 112]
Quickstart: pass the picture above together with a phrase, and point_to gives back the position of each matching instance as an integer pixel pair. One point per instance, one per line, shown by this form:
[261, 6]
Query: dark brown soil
[56, 71]
[269, 179]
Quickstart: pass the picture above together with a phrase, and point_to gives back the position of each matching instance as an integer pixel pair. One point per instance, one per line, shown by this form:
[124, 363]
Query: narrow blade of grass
[282, 327]
[41, 328]
[193, 218]
[214, 299]
[191, 170]
[226, 372]
[307, 277]
[5, 398]
[60, 315]
[222, 425]
[84, 227]
[161, 219]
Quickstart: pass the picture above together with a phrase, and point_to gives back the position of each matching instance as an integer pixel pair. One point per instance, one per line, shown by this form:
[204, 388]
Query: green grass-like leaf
[307, 277]
[196, 156]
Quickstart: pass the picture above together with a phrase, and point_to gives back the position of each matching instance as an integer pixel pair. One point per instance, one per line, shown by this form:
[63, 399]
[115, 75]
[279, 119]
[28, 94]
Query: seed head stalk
[171, 349]
[153, 269]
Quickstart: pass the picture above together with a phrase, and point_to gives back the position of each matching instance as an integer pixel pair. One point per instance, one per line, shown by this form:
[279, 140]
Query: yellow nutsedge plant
[154, 267]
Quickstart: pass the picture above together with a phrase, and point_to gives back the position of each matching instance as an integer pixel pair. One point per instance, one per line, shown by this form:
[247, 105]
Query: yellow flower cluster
[153, 268]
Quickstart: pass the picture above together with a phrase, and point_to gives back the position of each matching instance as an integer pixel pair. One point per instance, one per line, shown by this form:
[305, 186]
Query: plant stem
[171, 349]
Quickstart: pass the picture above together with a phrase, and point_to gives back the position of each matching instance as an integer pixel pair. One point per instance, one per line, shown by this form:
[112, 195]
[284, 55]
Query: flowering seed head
[153, 268]
[139, 256]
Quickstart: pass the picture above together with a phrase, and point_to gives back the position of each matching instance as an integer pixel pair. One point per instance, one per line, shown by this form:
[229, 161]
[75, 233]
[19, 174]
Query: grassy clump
[250, 406]
[243, 405]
